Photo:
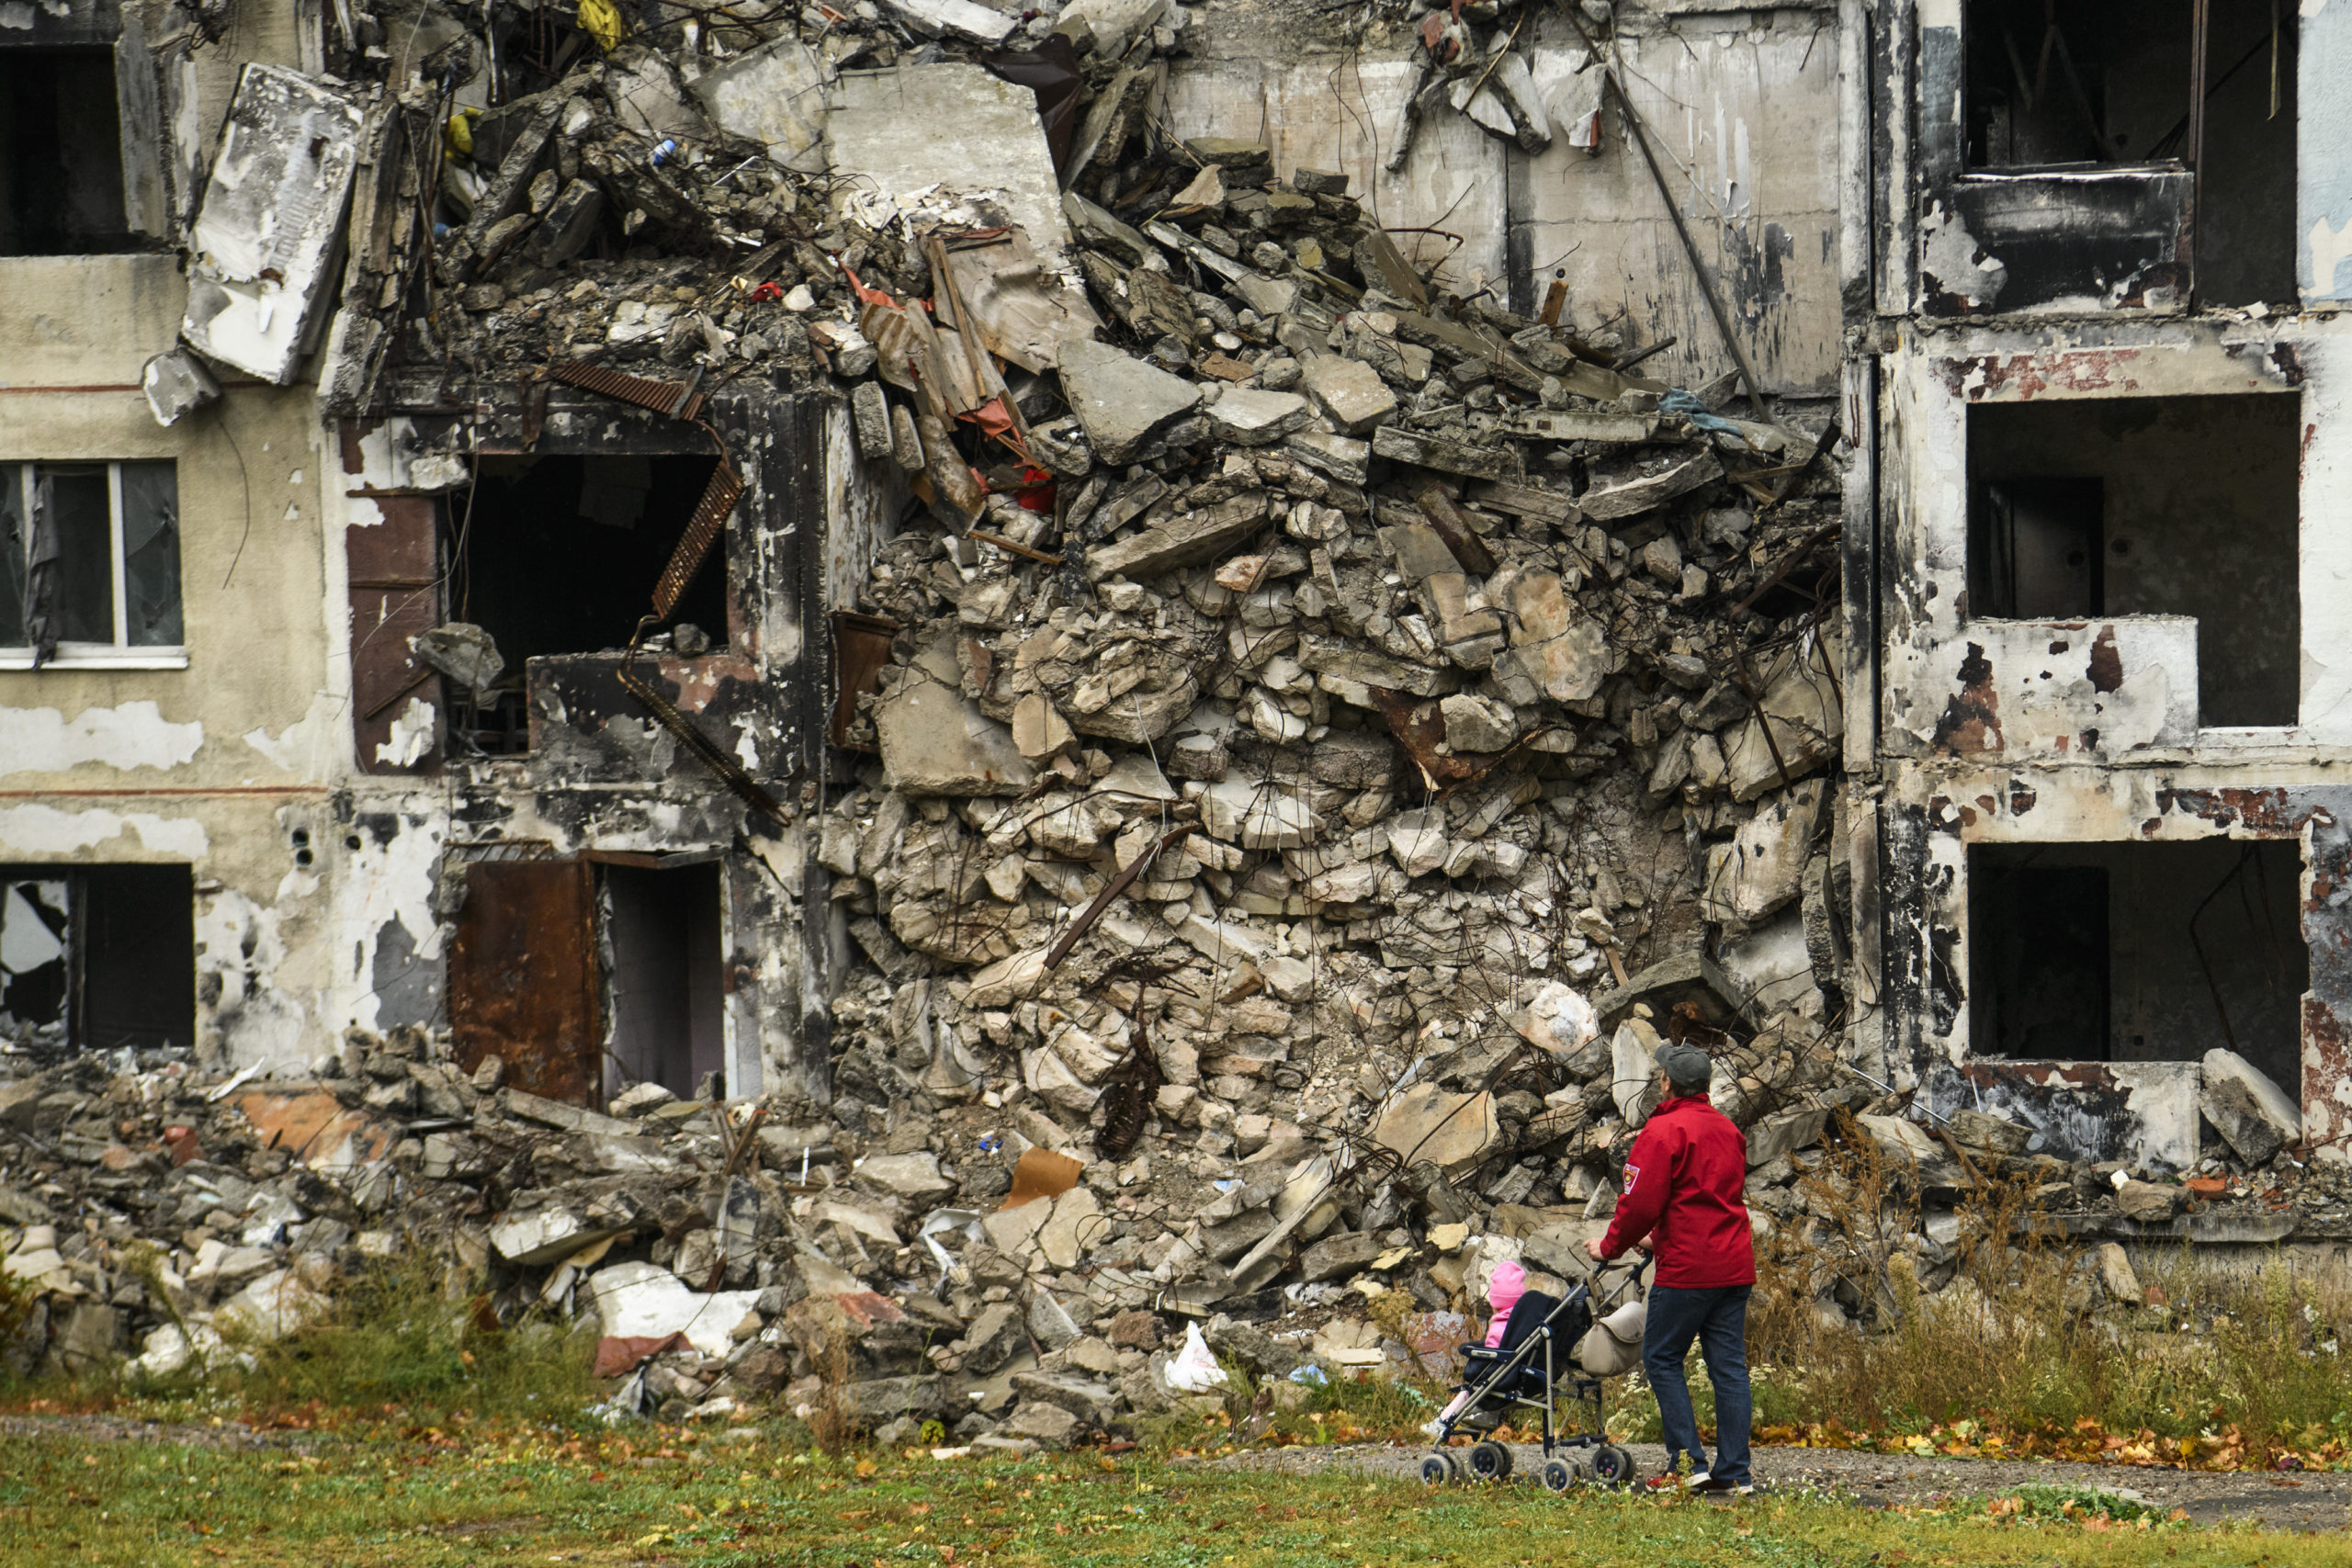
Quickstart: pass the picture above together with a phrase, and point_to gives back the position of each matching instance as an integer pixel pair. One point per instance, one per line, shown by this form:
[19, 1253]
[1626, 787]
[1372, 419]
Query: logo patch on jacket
[1633, 1174]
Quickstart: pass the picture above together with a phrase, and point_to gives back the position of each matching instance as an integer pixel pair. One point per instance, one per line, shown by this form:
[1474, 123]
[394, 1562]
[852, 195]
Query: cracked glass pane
[83, 594]
[150, 554]
[12, 555]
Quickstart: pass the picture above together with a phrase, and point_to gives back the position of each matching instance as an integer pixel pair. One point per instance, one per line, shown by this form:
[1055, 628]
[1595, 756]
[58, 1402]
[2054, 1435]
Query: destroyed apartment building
[928, 689]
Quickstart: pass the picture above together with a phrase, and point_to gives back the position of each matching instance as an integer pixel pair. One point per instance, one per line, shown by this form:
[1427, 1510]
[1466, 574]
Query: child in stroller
[1504, 1289]
[1538, 1341]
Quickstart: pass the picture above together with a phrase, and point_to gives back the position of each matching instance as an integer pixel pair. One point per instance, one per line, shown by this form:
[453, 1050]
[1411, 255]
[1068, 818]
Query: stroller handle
[1649, 1259]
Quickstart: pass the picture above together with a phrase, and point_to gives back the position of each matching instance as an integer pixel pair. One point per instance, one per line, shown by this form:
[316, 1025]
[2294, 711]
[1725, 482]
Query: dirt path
[2302, 1501]
[232, 1434]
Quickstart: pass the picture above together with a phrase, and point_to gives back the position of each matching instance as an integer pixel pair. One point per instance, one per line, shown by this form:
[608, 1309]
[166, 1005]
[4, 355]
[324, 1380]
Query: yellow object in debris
[458, 134]
[601, 20]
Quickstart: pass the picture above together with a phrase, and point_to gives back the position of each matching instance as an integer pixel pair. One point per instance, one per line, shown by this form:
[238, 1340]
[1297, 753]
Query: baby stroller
[1539, 1353]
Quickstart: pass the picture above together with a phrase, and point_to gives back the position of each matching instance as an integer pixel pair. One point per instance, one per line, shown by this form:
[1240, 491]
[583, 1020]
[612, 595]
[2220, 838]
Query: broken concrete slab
[2241, 1119]
[1911, 1148]
[1774, 1136]
[936, 742]
[775, 96]
[1447, 457]
[950, 125]
[1627, 498]
[177, 383]
[261, 249]
[2116, 1275]
[1664, 986]
[1995, 1135]
[1633, 1070]
[1339, 457]
[2147, 1203]
[638, 1300]
[1249, 417]
[2274, 1103]
[914, 1177]
[1122, 401]
[958, 19]
[1339, 1256]
[1350, 394]
[1186, 539]
[1425, 1124]
[1762, 868]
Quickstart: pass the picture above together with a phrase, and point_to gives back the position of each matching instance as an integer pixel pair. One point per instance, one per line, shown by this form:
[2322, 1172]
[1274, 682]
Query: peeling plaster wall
[1940, 811]
[1741, 108]
[1986, 724]
[2323, 167]
[2326, 683]
[1954, 685]
[229, 743]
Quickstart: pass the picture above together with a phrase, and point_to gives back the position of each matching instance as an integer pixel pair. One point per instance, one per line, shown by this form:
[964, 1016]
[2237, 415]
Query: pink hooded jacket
[1503, 1291]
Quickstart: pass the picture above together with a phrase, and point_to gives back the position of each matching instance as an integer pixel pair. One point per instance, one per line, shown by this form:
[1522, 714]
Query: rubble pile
[536, 188]
[1335, 729]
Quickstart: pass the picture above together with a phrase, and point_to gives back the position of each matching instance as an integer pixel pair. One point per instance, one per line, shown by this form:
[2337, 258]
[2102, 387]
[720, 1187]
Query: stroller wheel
[1612, 1466]
[1490, 1460]
[1439, 1467]
[1559, 1474]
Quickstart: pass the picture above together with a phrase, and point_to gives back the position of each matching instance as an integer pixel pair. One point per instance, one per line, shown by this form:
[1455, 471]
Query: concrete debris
[1322, 731]
[176, 384]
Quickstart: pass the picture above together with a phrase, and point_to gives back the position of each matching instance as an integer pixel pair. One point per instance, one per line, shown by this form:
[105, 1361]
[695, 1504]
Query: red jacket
[1683, 1182]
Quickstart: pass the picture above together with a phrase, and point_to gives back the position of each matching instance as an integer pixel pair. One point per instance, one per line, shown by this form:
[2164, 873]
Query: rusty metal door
[524, 984]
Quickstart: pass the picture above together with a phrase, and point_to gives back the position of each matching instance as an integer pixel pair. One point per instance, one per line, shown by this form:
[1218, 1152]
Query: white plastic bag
[1195, 1370]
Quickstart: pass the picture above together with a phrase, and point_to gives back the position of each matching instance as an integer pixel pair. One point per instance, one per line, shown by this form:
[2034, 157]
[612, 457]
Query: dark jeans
[1718, 1319]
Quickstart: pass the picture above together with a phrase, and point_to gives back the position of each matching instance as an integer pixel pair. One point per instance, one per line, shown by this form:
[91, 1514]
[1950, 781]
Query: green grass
[649, 1495]
[392, 1344]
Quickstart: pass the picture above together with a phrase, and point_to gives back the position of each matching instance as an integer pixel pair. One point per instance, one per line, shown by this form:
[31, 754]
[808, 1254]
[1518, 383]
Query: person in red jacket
[1683, 1183]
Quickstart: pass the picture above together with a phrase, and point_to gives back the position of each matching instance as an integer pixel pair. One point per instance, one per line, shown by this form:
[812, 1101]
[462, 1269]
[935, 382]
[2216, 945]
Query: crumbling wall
[232, 738]
[1956, 687]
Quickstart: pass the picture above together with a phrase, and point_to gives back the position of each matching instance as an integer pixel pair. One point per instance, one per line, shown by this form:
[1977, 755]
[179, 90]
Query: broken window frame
[121, 653]
[2191, 141]
[95, 894]
[142, 129]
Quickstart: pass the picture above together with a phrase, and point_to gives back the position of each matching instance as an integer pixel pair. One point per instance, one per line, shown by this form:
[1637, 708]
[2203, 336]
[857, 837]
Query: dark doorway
[97, 958]
[524, 985]
[2136, 952]
[2038, 935]
[2035, 551]
[2151, 507]
[663, 964]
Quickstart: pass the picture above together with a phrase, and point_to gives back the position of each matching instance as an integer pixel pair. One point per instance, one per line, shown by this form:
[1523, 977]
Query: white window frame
[118, 654]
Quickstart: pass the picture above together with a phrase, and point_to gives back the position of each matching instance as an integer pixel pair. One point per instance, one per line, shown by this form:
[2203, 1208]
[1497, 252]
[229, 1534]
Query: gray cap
[1685, 1066]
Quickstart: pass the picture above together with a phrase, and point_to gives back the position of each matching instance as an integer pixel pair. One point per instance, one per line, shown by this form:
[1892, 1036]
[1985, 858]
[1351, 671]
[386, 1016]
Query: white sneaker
[1432, 1428]
[1695, 1479]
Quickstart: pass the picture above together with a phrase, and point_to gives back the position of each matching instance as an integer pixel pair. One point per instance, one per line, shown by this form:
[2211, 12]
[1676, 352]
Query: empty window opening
[2109, 83]
[2125, 506]
[89, 564]
[662, 958]
[2138, 952]
[60, 153]
[2079, 82]
[97, 958]
[560, 556]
